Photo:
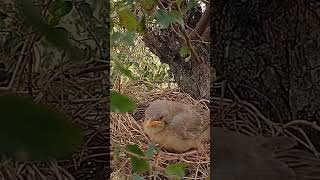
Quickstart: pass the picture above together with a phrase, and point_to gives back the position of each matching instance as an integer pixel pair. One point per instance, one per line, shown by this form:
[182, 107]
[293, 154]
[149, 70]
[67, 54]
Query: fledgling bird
[177, 126]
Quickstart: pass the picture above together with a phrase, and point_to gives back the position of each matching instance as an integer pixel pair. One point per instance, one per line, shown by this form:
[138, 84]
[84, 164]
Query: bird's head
[157, 115]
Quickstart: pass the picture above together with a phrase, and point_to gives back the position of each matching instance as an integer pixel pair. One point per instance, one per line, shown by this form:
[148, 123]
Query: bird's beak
[152, 122]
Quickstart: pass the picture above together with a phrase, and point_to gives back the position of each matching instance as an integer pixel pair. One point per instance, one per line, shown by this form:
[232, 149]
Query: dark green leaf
[192, 4]
[121, 103]
[138, 164]
[151, 150]
[176, 17]
[148, 5]
[85, 9]
[32, 15]
[142, 28]
[60, 8]
[163, 19]
[58, 36]
[128, 38]
[30, 131]
[177, 169]
[128, 19]
[184, 50]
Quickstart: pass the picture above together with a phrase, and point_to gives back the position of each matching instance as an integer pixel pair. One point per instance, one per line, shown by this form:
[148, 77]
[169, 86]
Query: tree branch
[202, 24]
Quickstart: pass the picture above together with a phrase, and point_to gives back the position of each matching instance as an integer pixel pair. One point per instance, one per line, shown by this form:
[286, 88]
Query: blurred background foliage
[131, 60]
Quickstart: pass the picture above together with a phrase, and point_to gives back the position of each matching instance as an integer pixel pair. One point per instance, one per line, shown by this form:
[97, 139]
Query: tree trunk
[191, 76]
[268, 51]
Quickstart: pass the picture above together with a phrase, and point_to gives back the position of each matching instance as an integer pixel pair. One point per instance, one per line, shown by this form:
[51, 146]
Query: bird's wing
[187, 124]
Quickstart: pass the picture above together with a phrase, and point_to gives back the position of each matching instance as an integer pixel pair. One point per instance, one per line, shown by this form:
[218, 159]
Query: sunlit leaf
[121, 103]
[148, 5]
[128, 19]
[184, 50]
[177, 169]
[138, 164]
[142, 28]
[30, 131]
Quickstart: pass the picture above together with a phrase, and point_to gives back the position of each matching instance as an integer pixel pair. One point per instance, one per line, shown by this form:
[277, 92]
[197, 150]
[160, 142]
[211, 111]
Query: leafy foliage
[177, 169]
[120, 103]
[138, 164]
[31, 133]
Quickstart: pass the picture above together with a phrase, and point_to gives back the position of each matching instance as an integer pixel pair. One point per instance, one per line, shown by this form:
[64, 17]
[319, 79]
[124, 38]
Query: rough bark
[269, 53]
[191, 76]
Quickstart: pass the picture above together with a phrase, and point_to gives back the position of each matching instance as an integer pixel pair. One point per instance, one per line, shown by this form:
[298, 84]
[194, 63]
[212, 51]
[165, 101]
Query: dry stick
[20, 59]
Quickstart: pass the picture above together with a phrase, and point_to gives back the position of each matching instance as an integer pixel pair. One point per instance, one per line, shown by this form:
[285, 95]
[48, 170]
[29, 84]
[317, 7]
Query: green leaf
[163, 19]
[191, 4]
[126, 38]
[32, 15]
[148, 5]
[184, 50]
[128, 19]
[151, 150]
[177, 169]
[124, 70]
[176, 17]
[121, 103]
[138, 164]
[58, 36]
[30, 131]
[142, 28]
[60, 8]
[137, 177]
[85, 9]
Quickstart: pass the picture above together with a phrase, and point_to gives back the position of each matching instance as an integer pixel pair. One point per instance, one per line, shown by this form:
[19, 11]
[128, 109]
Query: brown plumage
[176, 126]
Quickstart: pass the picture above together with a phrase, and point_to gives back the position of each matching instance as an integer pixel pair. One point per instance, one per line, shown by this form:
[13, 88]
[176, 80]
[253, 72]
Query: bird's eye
[161, 118]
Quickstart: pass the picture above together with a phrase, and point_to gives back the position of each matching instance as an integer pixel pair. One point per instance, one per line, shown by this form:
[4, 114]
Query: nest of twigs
[228, 112]
[79, 91]
[127, 129]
